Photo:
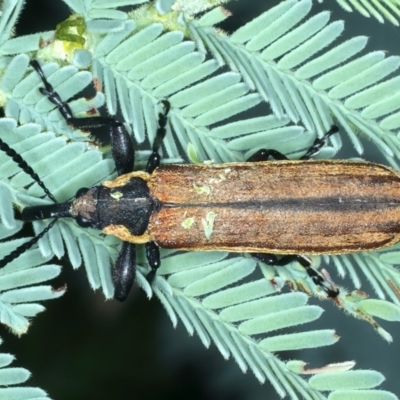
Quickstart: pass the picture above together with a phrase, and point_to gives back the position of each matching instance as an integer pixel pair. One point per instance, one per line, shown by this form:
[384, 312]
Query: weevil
[266, 208]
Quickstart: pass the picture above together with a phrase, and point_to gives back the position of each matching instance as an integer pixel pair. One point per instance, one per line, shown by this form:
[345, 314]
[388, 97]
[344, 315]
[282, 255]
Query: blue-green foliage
[10, 377]
[277, 62]
[379, 9]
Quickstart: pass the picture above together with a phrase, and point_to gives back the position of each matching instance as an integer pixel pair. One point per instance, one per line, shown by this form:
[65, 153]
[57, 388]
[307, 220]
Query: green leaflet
[347, 380]
[380, 10]
[15, 376]
[301, 340]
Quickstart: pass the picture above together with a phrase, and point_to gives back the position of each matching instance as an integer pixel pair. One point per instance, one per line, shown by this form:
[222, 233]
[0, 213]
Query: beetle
[281, 207]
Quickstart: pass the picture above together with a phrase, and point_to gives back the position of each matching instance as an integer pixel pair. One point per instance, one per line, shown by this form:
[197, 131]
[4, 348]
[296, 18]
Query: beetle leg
[155, 158]
[122, 148]
[331, 290]
[265, 154]
[49, 92]
[317, 277]
[124, 271]
[153, 258]
[319, 143]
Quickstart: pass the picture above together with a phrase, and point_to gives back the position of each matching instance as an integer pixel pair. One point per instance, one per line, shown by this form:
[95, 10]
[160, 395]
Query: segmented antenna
[26, 246]
[25, 167]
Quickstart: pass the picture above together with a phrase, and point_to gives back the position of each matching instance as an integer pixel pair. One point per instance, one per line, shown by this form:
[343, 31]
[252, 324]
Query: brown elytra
[282, 207]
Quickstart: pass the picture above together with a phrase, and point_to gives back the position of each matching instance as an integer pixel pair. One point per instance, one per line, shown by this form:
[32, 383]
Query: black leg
[49, 92]
[265, 154]
[271, 259]
[153, 258]
[317, 277]
[122, 148]
[319, 143]
[123, 154]
[154, 159]
[124, 271]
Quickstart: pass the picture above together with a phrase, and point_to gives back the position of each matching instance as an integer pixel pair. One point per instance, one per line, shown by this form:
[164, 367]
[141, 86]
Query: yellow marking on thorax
[122, 232]
[124, 179]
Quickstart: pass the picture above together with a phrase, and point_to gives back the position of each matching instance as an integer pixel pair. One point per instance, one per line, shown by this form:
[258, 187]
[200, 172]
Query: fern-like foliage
[277, 56]
[210, 301]
[379, 9]
[160, 50]
[19, 292]
[10, 377]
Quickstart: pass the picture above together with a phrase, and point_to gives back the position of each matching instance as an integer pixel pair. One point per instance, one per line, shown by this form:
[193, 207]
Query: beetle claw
[151, 276]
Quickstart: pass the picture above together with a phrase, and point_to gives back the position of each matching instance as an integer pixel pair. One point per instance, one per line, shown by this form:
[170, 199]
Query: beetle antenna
[25, 246]
[25, 167]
